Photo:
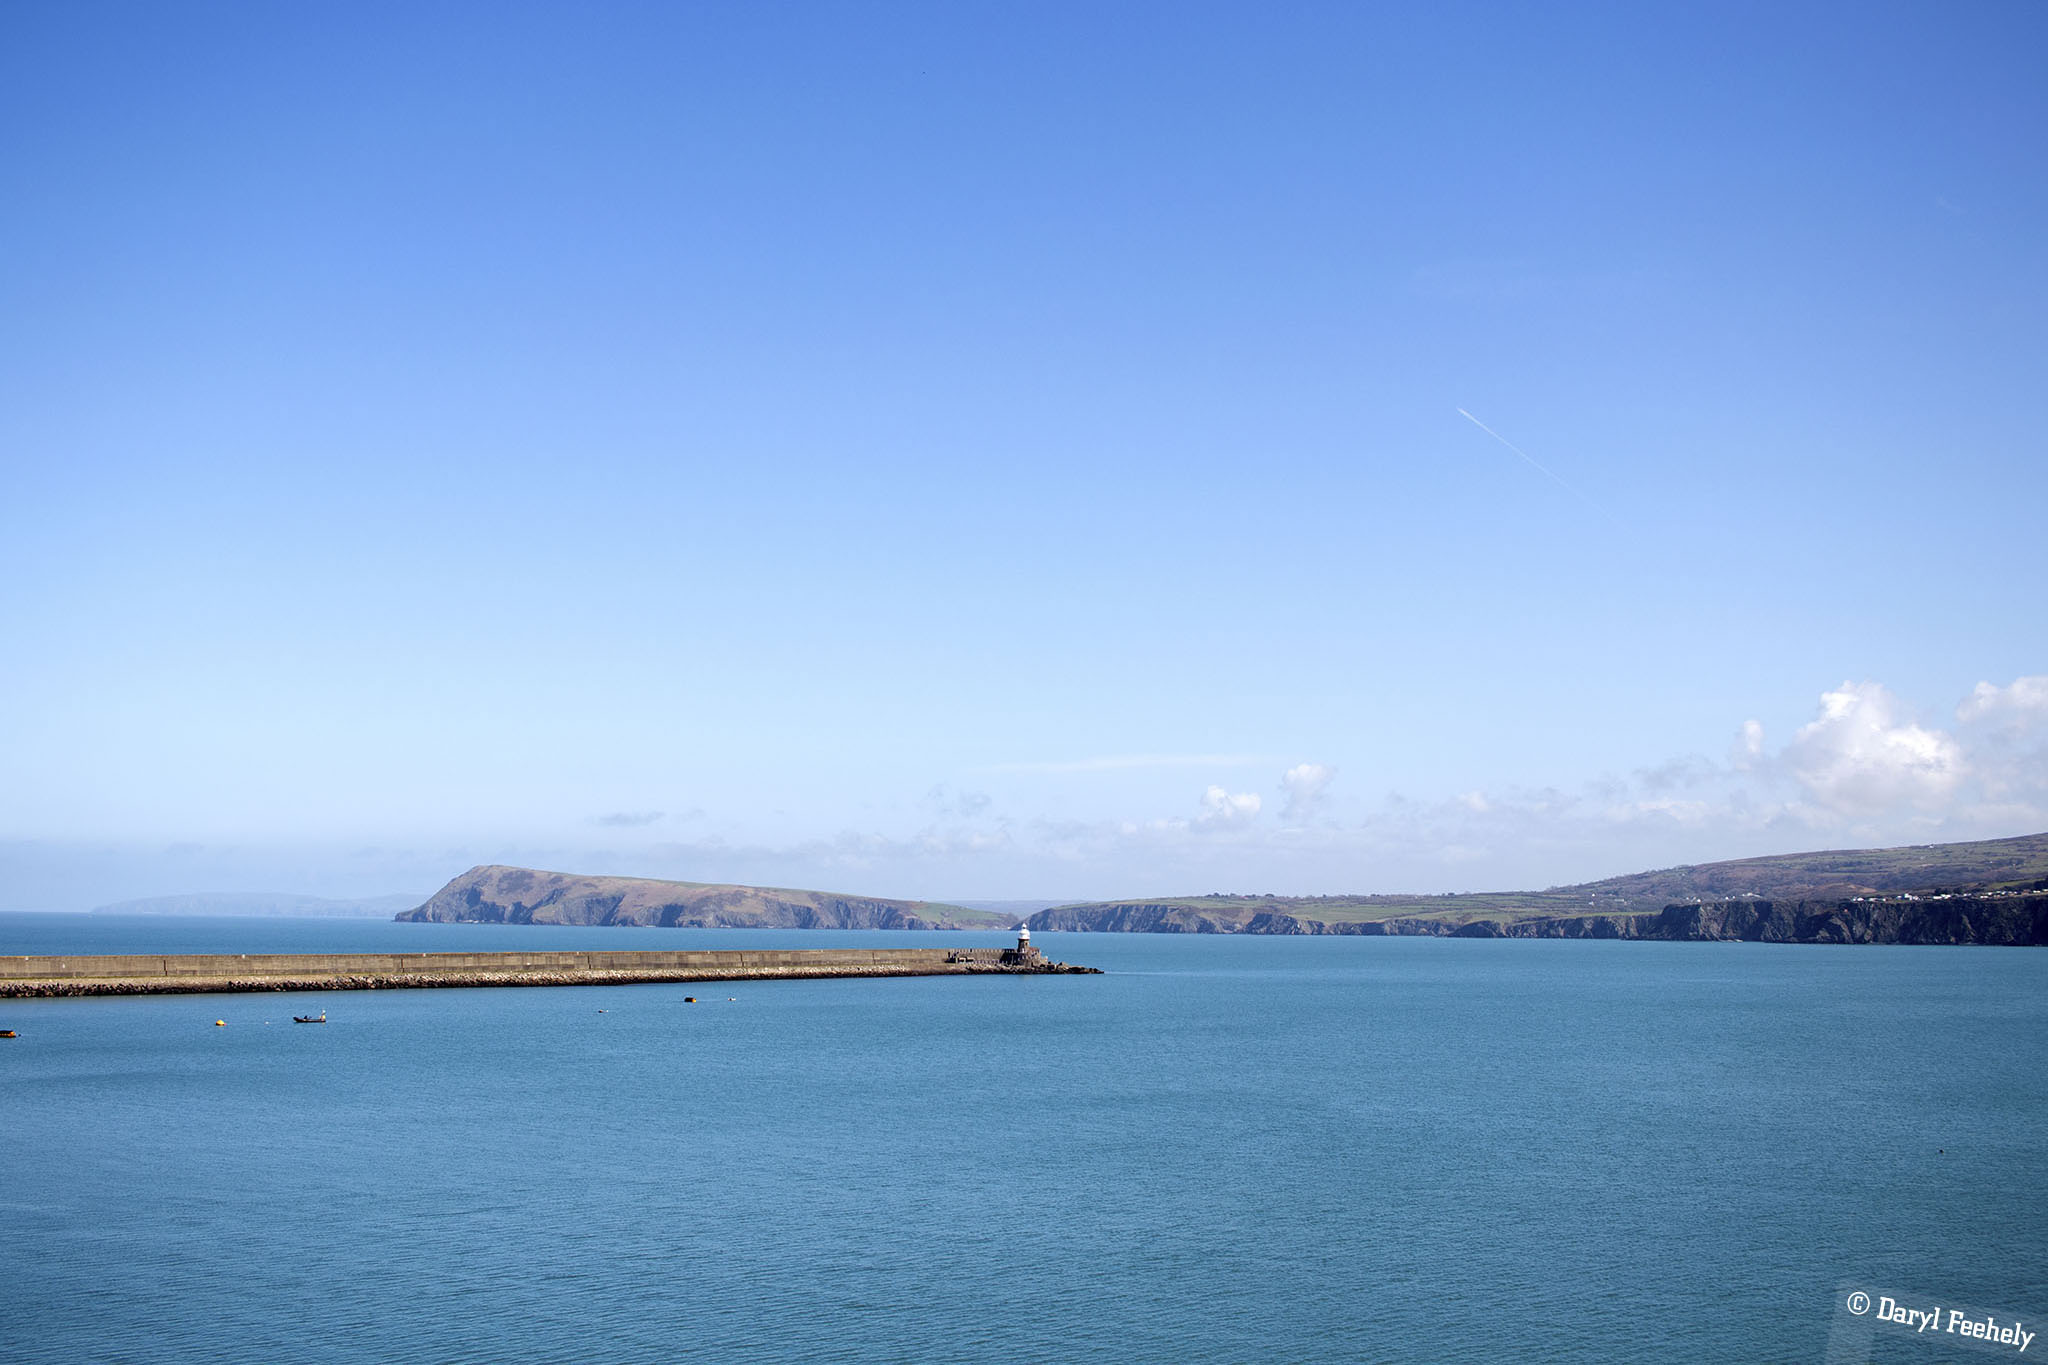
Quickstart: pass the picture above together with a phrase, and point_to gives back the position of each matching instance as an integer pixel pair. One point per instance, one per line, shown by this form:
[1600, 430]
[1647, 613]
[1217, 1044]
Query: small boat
[309, 1019]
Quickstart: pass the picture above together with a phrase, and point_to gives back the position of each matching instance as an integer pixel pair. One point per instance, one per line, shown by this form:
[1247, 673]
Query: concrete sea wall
[154, 974]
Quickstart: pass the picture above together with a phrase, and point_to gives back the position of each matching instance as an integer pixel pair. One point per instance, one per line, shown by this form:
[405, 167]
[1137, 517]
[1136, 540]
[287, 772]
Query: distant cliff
[519, 895]
[2002, 919]
[1979, 892]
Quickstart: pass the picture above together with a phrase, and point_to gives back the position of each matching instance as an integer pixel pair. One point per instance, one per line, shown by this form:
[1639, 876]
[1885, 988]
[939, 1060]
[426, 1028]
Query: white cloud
[959, 805]
[1864, 757]
[2020, 705]
[1678, 774]
[1223, 809]
[2007, 728]
[1667, 808]
[1748, 750]
[1108, 763]
[628, 819]
[1865, 771]
[1307, 786]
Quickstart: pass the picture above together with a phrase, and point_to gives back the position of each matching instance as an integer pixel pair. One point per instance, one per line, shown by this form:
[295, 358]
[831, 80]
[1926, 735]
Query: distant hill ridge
[1996, 891]
[1990, 891]
[520, 895]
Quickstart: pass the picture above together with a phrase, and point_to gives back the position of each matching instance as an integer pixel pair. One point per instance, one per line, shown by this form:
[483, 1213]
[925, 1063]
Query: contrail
[1521, 452]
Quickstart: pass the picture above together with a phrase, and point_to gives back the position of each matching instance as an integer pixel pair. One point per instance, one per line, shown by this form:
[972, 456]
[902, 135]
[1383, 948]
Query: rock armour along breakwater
[157, 974]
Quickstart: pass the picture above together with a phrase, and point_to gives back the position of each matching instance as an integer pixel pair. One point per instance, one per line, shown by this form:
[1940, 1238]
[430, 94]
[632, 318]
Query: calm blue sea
[1225, 1149]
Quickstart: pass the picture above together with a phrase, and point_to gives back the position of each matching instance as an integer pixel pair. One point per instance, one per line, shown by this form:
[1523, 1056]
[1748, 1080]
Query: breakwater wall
[159, 974]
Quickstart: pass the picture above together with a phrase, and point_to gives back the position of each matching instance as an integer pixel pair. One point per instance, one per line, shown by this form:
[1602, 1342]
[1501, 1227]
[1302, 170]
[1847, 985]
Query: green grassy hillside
[1987, 865]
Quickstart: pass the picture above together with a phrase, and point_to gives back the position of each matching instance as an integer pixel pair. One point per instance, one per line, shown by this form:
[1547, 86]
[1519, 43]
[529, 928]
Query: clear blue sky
[974, 451]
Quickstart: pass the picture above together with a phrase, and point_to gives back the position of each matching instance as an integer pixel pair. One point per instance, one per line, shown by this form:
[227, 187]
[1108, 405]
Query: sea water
[1223, 1149]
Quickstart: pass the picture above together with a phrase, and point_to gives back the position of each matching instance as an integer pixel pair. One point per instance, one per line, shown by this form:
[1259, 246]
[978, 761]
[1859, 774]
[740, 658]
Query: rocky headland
[521, 895]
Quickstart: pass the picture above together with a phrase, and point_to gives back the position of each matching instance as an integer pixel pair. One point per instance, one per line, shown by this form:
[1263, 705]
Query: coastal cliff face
[2001, 920]
[1133, 918]
[1987, 891]
[519, 895]
[2005, 920]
